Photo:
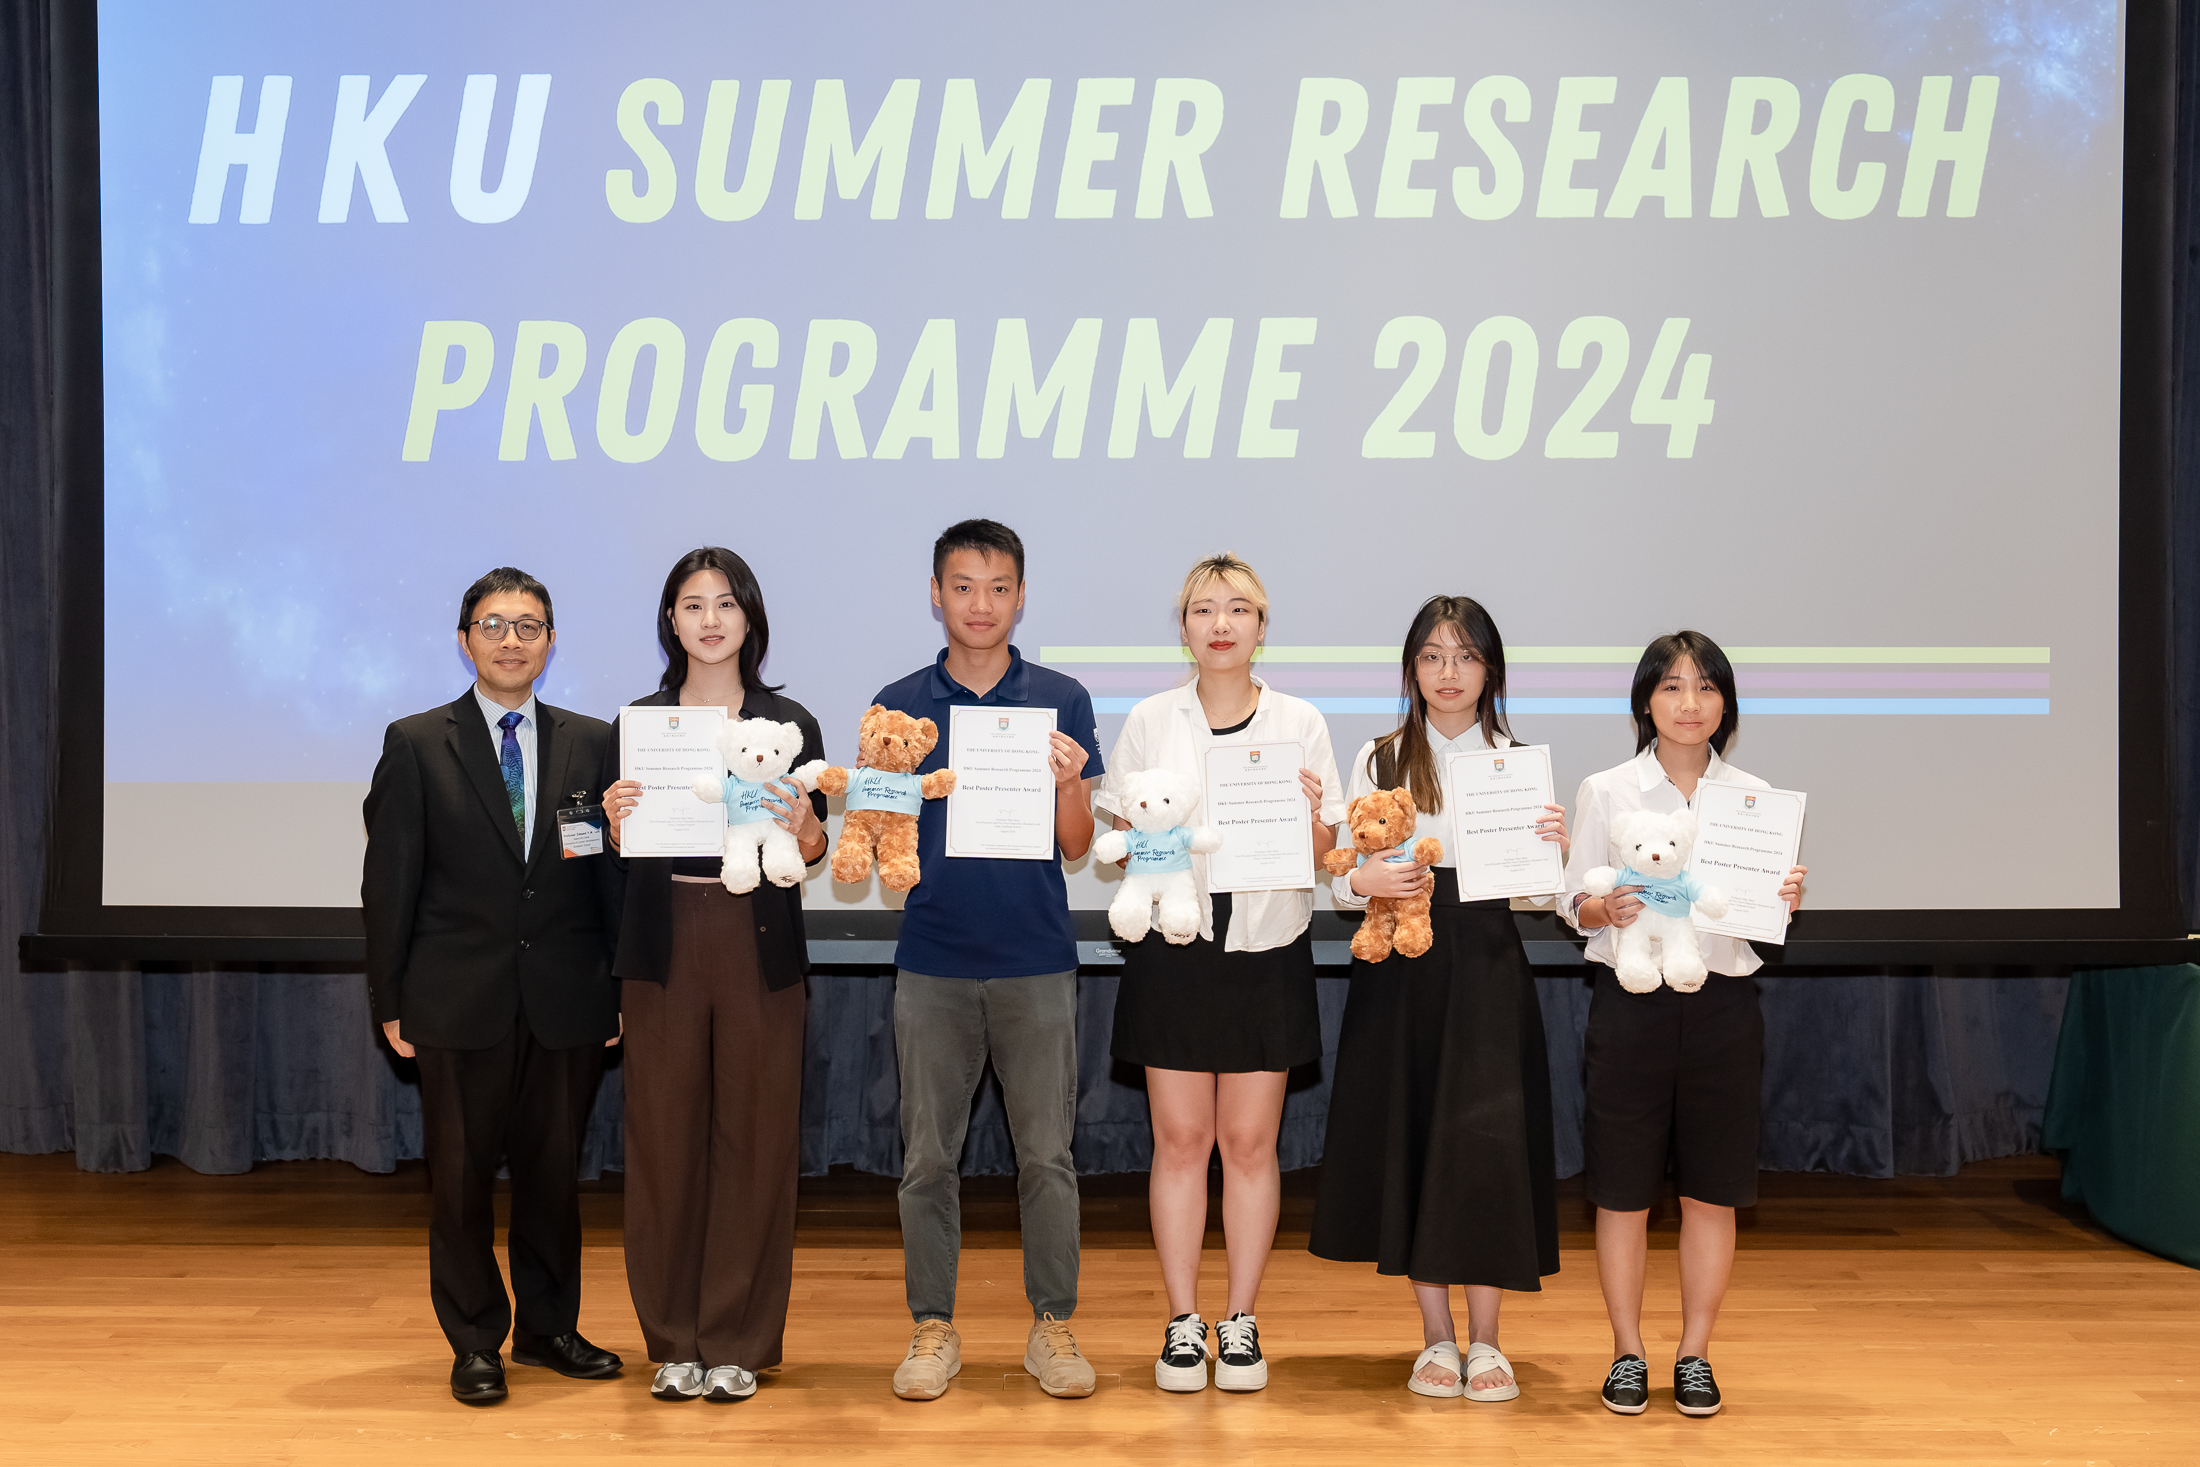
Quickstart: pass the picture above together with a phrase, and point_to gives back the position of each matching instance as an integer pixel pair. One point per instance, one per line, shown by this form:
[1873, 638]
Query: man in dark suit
[489, 961]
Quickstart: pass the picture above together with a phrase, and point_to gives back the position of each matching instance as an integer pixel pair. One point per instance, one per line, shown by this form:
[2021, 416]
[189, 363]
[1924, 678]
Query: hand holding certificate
[664, 750]
[1747, 839]
[1003, 801]
[1254, 798]
[1496, 797]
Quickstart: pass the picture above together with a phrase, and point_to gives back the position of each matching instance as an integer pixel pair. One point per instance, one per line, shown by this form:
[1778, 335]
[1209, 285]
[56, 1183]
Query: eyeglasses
[1445, 661]
[493, 627]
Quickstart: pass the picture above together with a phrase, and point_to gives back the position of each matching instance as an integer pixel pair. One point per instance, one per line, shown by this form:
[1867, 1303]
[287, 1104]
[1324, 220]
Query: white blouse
[1641, 784]
[1437, 823]
[1169, 731]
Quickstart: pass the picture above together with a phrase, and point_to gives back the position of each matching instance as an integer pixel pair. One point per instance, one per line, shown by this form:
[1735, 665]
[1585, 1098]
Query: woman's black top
[645, 920]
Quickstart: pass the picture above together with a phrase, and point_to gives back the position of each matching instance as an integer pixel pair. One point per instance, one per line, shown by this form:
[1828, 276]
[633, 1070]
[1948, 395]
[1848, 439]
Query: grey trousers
[944, 1031]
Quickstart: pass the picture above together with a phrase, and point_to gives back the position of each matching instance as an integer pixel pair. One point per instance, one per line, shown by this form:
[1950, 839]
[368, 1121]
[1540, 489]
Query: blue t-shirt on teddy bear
[1403, 856]
[1158, 852]
[745, 800]
[884, 789]
[1671, 895]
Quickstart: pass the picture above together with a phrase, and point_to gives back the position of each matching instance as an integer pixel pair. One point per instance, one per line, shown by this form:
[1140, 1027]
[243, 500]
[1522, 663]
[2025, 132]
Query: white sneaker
[934, 1359]
[1183, 1362]
[729, 1383]
[1238, 1362]
[678, 1381]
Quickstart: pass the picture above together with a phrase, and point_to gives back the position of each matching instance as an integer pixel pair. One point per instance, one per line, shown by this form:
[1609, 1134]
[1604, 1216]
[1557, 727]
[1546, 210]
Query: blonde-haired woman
[1219, 1022]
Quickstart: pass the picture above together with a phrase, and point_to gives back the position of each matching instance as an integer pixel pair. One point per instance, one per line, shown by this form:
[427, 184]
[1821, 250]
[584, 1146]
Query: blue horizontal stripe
[1392, 707]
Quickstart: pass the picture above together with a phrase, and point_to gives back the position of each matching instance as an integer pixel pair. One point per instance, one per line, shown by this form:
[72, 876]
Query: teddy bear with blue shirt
[1383, 820]
[1660, 944]
[1159, 847]
[759, 757]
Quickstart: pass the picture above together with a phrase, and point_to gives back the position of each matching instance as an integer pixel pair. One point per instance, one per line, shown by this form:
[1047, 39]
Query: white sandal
[1481, 1359]
[1444, 1353]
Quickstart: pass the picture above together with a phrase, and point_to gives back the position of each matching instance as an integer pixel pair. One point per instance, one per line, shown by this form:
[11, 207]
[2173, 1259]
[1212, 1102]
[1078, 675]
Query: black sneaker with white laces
[1183, 1362]
[1627, 1387]
[1238, 1362]
[1694, 1391]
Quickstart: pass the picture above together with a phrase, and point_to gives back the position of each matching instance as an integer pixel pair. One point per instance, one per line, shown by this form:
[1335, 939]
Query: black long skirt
[1196, 1006]
[1439, 1160]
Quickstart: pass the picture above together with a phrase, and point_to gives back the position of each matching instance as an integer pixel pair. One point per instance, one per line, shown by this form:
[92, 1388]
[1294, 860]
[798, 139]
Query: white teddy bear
[1653, 849]
[759, 755]
[1160, 846]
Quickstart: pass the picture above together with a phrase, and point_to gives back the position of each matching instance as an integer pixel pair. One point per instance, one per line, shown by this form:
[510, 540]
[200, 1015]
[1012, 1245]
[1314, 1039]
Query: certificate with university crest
[1495, 797]
[663, 750]
[1746, 840]
[1002, 805]
[1254, 798]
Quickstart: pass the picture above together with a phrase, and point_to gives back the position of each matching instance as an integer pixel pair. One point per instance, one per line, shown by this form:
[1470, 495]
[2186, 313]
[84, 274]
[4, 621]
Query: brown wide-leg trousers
[713, 1141]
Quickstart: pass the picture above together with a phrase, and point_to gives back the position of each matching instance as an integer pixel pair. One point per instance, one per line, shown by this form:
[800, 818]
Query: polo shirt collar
[1014, 686]
[1649, 773]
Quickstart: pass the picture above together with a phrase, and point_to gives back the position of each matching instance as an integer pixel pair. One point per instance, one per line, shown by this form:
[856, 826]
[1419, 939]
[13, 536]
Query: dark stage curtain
[1875, 1074]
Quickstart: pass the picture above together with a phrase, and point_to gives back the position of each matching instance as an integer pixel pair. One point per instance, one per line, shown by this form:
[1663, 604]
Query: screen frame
[2149, 926]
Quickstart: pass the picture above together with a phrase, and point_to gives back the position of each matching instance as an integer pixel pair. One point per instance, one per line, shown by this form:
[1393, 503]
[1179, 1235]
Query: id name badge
[580, 830]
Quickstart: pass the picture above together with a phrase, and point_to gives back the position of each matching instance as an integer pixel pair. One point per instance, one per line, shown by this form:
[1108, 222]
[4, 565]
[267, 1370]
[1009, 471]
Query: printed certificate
[1746, 840]
[664, 750]
[1002, 805]
[1253, 797]
[1495, 797]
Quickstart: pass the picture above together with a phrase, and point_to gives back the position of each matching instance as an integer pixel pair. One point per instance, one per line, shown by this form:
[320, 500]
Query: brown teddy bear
[1379, 821]
[884, 795]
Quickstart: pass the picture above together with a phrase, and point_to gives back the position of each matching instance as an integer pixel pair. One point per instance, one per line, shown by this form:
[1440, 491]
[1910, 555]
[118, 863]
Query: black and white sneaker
[1627, 1387]
[1694, 1391]
[1238, 1362]
[1183, 1362]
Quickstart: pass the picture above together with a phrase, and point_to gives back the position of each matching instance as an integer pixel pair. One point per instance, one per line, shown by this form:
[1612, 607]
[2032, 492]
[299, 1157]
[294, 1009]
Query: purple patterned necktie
[515, 771]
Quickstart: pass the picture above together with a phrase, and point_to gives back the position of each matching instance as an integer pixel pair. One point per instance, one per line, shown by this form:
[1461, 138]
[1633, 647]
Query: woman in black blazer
[712, 998]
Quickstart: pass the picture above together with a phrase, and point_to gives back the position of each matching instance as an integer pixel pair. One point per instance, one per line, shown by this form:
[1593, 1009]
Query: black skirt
[1194, 1006]
[1439, 1163]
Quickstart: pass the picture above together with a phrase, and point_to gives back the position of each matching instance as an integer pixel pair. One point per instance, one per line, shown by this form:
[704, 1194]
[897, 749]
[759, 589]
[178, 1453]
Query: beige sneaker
[1052, 1356]
[935, 1358]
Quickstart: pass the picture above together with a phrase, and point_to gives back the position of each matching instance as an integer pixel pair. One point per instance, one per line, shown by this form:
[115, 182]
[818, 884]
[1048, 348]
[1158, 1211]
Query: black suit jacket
[645, 924]
[464, 930]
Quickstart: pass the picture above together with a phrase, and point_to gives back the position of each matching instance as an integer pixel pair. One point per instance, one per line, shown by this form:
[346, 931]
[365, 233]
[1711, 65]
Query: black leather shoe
[567, 1355]
[478, 1379]
[1694, 1391]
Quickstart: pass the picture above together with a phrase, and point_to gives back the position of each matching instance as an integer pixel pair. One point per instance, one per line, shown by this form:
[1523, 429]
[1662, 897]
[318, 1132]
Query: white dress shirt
[524, 732]
[1427, 822]
[1169, 731]
[1641, 784]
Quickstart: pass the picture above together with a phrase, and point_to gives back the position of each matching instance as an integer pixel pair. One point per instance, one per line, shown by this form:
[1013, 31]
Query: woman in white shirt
[1218, 1022]
[1439, 1161]
[1669, 1074]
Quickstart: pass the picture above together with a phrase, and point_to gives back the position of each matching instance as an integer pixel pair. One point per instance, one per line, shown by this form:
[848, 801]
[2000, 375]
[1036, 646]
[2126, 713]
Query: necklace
[1250, 709]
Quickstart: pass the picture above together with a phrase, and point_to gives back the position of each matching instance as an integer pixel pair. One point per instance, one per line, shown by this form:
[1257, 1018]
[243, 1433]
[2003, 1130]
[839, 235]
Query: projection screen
[1803, 329]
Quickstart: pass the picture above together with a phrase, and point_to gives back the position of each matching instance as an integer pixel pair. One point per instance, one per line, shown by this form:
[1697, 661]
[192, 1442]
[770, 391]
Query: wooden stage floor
[283, 1317]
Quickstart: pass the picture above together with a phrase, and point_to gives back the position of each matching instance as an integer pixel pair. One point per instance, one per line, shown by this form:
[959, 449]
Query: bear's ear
[928, 730]
[1404, 797]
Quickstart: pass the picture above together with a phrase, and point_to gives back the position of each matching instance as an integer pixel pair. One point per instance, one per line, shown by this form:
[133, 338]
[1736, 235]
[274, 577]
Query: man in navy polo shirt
[988, 969]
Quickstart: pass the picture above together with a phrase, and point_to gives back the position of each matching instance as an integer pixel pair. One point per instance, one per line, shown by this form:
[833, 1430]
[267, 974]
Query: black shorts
[1674, 1081]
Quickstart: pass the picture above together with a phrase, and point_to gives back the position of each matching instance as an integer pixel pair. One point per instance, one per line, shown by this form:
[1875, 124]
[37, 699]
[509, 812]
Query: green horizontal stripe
[1621, 655]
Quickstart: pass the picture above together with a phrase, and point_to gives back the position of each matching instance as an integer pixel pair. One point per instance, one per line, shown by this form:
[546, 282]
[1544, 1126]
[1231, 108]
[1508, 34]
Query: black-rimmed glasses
[493, 627]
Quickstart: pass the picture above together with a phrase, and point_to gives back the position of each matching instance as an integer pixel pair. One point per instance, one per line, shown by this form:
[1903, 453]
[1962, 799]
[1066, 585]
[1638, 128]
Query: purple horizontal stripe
[1318, 678]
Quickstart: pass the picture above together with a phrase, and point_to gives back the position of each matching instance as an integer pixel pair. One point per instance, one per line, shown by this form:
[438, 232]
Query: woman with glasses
[713, 1002]
[1439, 1160]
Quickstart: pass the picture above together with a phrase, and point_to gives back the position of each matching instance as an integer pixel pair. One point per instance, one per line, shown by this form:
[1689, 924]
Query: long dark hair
[1658, 659]
[1405, 750]
[746, 594]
